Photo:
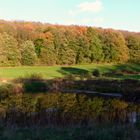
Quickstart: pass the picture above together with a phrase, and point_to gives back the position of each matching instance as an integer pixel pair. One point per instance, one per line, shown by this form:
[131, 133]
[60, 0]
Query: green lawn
[60, 71]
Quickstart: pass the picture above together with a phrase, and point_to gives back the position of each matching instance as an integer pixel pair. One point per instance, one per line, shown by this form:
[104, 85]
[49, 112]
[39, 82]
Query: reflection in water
[66, 109]
[132, 117]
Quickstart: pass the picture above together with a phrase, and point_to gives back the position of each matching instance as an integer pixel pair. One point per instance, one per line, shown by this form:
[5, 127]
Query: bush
[114, 73]
[35, 83]
[5, 91]
[96, 73]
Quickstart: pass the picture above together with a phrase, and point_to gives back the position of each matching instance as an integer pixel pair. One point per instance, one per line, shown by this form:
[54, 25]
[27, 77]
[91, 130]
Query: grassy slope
[60, 71]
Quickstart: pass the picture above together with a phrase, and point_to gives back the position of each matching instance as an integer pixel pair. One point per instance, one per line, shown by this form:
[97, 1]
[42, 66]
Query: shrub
[5, 91]
[35, 83]
[96, 73]
[114, 73]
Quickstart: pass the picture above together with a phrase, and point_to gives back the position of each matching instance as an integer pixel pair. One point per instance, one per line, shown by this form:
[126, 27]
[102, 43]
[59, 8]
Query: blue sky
[118, 14]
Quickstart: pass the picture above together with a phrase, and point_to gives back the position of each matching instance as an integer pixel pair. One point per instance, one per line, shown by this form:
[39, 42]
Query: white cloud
[93, 7]
[90, 6]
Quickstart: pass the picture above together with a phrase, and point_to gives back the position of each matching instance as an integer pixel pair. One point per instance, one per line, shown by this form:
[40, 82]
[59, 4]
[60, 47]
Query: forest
[34, 43]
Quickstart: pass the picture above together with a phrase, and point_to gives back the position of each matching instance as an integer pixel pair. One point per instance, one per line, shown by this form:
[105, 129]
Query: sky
[117, 14]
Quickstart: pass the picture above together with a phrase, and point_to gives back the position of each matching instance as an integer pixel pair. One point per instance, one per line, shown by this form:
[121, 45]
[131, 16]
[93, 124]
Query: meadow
[122, 71]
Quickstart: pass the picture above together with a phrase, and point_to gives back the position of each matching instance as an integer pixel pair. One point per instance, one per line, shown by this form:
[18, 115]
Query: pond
[66, 109]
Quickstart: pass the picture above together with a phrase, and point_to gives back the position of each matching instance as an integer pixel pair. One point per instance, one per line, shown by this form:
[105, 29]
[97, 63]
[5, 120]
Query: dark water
[65, 109]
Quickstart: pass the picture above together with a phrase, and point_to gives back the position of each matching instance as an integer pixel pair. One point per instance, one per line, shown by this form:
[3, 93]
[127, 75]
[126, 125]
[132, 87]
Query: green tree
[28, 55]
[133, 43]
[95, 46]
[47, 50]
[64, 52]
[66, 56]
[47, 55]
[9, 51]
[39, 44]
[83, 52]
[114, 46]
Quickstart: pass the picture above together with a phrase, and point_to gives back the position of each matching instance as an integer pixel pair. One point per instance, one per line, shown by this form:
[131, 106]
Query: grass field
[49, 72]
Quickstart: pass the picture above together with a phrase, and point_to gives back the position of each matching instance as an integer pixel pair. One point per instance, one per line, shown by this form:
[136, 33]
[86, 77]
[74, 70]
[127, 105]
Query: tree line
[30, 43]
